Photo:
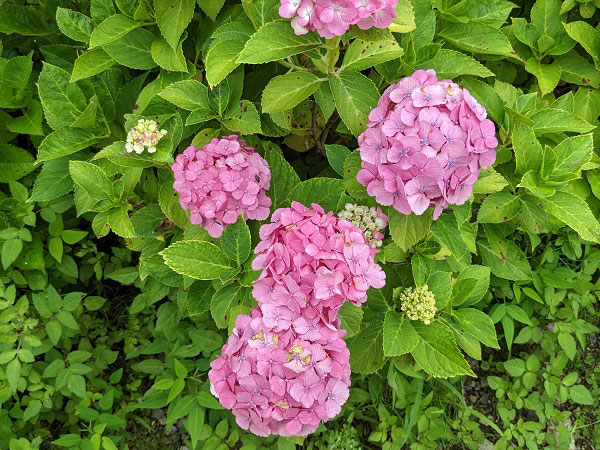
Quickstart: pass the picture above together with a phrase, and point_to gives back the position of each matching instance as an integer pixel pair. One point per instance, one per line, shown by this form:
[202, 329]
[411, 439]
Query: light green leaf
[13, 373]
[546, 18]
[587, 36]
[187, 94]
[15, 163]
[171, 59]
[528, 151]
[172, 17]
[91, 63]
[222, 301]
[276, 40]
[196, 259]
[62, 100]
[404, 22]
[499, 207]
[450, 64]
[91, 179]
[580, 394]
[510, 264]
[120, 222]
[489, 181]
[440, 283]
[437, 352]
[242, 118]
[355, 96]
[336, 155]
[575, 213]
[577, 70]
[11, 249]
[552, 120]
[235, 241]
[352, 165]
[408, 230]
[571, 155]
[351, 317]
[361, 55]
[478, 38]
[547, 75]
[366, 349]
[286, 91]
[399, 336]
[478, 324]
[111, 29]
[65, 142]
[133, 50]
[73, 24]
[283, 177]
[221, 59]
[324, 191]
[568, 344]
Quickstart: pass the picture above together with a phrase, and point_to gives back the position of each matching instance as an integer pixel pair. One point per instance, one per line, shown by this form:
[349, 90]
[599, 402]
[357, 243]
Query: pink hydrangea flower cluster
[286, 367]
[221, 181]
[332, 18]
[425, 144]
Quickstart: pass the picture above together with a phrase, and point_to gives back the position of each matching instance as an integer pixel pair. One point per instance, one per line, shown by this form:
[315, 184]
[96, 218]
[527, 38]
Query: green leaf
[481, 276]
[91, 63]
[489, 181]
[577, 70]
[283, 177]
[286, 91]
[242, 118]
[211, 7]
[351, 317]
[168, 58]
[54, 331]
[404, 22]
[187, 94]
[575, 213]
[571, 155]
[548, 75]
[62, 100]
[528, 151]
[478, 324]
[14, 81]
[580, 394]
[24, 20]
[445, 231]
[68, 440]
[366, 349]
[352, 165]
[73, 24]
[355, 96]
[15, 163]
[399, 336]
[405, 230]
[53, 181]
[222, 301]
[76, 384]
[133, 50]
[361, 55]
[101, 9]
[546, 18]
[587, 36]
[91, 179]
[55, 247]
[324, 191]
[13, 373]
[196, 259]
[336, 155]
[478, 38]
[221, 59]
[440, 283]
[67, 319]
[112, 29]
[194, 424]
[451, 64]
[235, 241]
[11, 249]
[64, 142]
[498, 208]
[567, 343]
[437, 353]
[120, 222]
[276, 40]
[30, 122]
[172, 18]
[552, 120]
[509, 263]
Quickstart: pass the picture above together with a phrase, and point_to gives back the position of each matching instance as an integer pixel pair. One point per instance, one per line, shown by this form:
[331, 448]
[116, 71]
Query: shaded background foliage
[106, 340]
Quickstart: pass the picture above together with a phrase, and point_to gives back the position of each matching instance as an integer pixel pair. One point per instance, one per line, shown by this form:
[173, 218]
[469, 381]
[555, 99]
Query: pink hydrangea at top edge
[425, 144]
[282, 380]
[310, 259]
[221, 181]
[332, 18]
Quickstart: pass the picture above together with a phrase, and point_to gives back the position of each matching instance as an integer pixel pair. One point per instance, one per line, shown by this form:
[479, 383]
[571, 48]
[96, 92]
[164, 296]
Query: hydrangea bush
[325, 223]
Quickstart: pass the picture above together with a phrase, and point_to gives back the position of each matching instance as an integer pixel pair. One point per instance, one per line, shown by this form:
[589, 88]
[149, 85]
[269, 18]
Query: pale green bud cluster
[369, 220]
[145, 135]
[418, 303]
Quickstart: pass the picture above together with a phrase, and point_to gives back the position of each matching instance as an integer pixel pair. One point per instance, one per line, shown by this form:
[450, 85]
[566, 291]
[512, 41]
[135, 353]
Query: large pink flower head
[332, 18]
[310, 259]
[221, 181]
[425, 144]
[282, 380]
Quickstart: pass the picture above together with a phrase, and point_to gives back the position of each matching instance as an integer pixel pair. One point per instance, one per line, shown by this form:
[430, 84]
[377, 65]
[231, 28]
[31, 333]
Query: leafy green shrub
[113, 305]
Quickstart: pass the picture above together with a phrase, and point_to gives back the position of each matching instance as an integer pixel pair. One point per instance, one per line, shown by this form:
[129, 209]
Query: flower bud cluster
[221, 181]
[425, 144]
[286, 368]
[418, 303]
[332, 18]
[370, 220]
[144, 136]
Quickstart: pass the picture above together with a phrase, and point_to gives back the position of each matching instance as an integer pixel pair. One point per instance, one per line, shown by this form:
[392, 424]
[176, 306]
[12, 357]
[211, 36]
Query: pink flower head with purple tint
[221, 181]
[286, 368]
[332, 18]
[426, 142]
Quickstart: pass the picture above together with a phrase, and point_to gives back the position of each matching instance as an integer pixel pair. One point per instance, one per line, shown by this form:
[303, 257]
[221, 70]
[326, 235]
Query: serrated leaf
[242, 118]
[324, 191]
[437, 352]
[286, 91]
[91, 179]
[276, 40]
[498, 208]
[187, 94]
[15, 163]
[405, 230]
[168, 58]
[336, 155]
[73, 24]
[283, 176]
[509, 263]
[111, 29]
[221, 59]
[235, 241]
[133, 50]
[351, 317]
[172, 17]
[196, 259]
[552, 120]
[478, 324]
[366, 349]
[355, 96]
[478, 38]
[574, 212]
[399, 336]
[361, 55]
[222, 301]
